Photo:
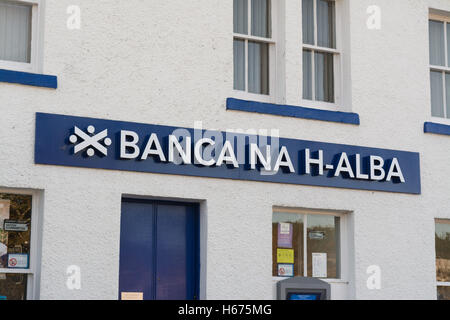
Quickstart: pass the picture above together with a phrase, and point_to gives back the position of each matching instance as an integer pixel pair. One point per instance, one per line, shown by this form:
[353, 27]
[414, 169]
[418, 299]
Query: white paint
[126, 143]
[198, 148]
[374, 18]
[374, 277]
[135, 61]
[395, 171]
[256, 156]
[313, 161]
[377, 172]
[74, 18]
[344, 166]
[227, 155]
[284, 160]
[153, 141]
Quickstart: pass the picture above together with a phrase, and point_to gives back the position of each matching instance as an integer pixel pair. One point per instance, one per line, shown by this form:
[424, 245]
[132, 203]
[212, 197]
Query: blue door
[159, 250]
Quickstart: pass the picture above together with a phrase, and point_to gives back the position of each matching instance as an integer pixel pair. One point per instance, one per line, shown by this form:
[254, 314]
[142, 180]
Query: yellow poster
[285, 255]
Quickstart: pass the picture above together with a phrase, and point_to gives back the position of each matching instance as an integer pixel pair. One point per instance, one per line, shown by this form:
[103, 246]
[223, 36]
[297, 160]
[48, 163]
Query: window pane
[324, 76]
[326, 24]
[448, 43]
[437, 94]
[261, 21]
[258, 67]
[287, 226]
[307, 74]
[322, 241]
[437, 49]
[447, 93]
[239, 64]
[13, 286]
[15, 32]
[16, 208]
[442, 238]
[443, 293]
[240, 16]
[308, 21]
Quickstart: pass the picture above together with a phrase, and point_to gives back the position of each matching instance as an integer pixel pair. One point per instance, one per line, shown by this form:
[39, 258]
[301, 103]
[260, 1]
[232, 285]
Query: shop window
[15, 246]
[320, 53]
[439, 34]
[442, 238]
[253, 47]
[306, 244]
[19, 34]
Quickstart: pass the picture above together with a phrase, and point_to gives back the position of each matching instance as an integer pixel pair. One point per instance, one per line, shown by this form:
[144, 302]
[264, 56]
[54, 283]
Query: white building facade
[344, 72]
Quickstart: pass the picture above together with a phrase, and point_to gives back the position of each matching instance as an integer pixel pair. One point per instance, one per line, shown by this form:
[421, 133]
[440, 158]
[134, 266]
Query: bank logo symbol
[90, 141]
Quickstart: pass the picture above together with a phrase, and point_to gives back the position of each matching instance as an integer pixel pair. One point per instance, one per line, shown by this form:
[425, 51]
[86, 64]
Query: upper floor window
[18, 34]
[253, 46]
[439, 33]
[320, 54]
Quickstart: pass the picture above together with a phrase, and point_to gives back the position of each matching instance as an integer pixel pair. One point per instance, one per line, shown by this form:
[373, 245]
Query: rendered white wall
[170, 63]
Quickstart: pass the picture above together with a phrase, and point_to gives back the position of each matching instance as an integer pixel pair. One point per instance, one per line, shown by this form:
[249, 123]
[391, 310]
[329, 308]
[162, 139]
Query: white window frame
[33, 272]
[337, 62]
[273, 56]
[36, 18]
[344, 250]
[440, 283]
[442, 69]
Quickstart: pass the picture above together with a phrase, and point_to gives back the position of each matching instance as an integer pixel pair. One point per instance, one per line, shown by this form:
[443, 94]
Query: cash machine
[303, 288]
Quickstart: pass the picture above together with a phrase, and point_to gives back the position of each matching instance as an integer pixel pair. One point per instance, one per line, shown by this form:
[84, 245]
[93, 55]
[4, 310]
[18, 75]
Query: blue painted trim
[437, 128]
[29, 79]
[292, 111]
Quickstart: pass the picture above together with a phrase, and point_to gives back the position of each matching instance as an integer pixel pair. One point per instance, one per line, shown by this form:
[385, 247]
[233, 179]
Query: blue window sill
[292, 111]
[29, 79]
[437, 128]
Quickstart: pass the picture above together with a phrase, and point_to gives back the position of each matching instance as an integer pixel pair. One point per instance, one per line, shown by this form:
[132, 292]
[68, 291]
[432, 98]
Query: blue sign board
[117, 145]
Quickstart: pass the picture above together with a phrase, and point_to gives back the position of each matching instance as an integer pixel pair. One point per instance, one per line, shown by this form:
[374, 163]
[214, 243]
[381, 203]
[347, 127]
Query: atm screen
[303, 296]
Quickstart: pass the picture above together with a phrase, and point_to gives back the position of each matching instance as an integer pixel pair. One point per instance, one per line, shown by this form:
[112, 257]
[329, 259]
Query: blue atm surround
[159, 250]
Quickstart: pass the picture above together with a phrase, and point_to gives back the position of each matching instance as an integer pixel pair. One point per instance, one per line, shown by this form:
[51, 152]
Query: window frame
[440, 16]
[337, 61]
[36, 18]
[33, 271]
[440, 283]
[273, 56]
[344, 251]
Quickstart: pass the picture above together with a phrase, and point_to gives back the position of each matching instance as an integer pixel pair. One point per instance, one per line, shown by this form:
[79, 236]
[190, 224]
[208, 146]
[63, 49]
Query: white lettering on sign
[227, 155]
[256, 154]
[309, 161]
[157, 150]
[344, 166]
[353, 166]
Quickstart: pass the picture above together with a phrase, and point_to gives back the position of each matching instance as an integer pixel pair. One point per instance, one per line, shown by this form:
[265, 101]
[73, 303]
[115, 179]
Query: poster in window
[18, 261]
[285, 255]
[285, 231]
[319, 265]
[285, 270]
